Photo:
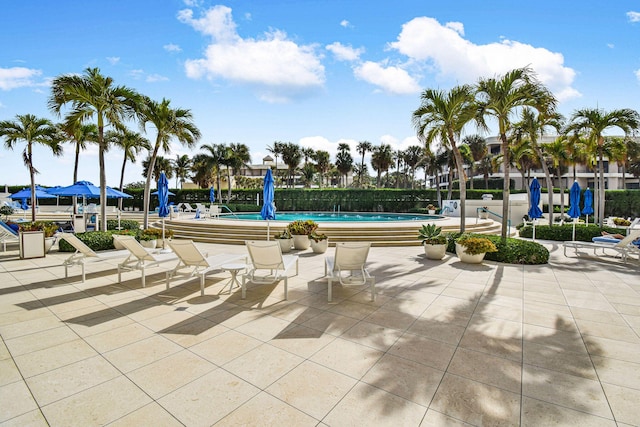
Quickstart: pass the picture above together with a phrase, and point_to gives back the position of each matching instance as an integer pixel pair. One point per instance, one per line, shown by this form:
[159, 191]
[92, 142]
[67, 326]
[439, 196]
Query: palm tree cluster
[443, 117]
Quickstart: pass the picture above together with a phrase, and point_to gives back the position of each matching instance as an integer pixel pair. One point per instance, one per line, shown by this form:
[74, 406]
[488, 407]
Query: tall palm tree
[131, 143]
[500, 98]
[90, 96]
[238, 157]
[478, 147]
[443, 115]
[181, 166]
[169, 123]
[593, 122]
[32, 130]
[556, 155]
[203, 174]
[363, 148]
[161, 164]
[291, 156]
[307, 154]
[276, 149]
[344, 161]
[214, 158]
[381, 160]
[79, 134]
[323, 164]
[412, 156]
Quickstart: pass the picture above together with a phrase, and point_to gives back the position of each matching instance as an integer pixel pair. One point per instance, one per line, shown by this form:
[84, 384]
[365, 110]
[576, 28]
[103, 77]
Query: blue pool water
[338, 217]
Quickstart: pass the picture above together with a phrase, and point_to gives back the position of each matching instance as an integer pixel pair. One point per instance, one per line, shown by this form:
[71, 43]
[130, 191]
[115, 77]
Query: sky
[313, 72]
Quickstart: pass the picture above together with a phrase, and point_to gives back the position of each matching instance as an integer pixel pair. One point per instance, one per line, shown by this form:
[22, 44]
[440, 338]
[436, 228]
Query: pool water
[338, 217]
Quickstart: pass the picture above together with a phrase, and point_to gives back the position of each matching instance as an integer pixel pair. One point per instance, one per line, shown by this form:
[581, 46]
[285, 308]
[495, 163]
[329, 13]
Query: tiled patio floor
[444, 344]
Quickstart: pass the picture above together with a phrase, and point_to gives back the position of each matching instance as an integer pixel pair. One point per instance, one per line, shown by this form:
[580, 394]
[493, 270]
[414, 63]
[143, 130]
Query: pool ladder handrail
[230, 211]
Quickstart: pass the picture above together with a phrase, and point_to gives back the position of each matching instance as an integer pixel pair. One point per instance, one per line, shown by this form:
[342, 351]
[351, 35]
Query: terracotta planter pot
[465, 257]
[285, 245]
[435, 251]
[320, 246]
[301, 242]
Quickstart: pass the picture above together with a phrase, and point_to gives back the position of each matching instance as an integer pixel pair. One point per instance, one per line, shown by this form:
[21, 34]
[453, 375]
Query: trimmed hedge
[513, 251]
[96, 240]
[584, 233]
[125, 224]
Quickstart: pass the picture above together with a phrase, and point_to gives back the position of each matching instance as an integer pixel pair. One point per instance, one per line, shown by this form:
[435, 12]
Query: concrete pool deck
[445, 343]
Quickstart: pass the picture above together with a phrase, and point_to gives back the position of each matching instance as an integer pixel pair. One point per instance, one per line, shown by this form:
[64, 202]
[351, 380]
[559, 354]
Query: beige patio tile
[438, 419]
[618, 372]
[31, 419]
[225, 347]
[353, 309]
[441, 331]
[604, 330]
[17, 400]
[28, 327]
[266, 410]
[372, 335]
[498, 337]
[476, 403]
[149, 415]
[361, 406]
[141, 353]
[558, 359]
[312, 388]
[166, 375]
[263, 365]
[97, 405]
[347, 357]
[39, 340]
[264, 328]
[623, 402]
[492, 370]
[537, 413]
[302, 341]
[9, 372]
[573, 392]
[209, 398]
[297, 313]
[50, 358]
[559, 339]
[118, 337]
[60, 383]
[391, 318]
[436, 354]
[405, 378]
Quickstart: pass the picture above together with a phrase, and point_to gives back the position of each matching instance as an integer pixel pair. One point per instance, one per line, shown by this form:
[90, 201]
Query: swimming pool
[338, 217]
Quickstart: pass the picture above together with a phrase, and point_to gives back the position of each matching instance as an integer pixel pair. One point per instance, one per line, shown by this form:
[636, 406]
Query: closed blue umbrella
[574, 202]
[163, 200]
[588, 204]
[23, 204]
[155, 193]
[268, 211]
[534, 210]
[212, 194]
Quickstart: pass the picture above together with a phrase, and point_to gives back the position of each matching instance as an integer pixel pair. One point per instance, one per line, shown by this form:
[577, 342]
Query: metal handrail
[230, 211]
[481, 209]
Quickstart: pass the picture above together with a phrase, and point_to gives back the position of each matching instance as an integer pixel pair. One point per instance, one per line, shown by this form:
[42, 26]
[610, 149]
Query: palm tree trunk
[548, 180]
[103, 175]
[601, 189]
[506, 190]
[75, 177]
[463, 183]
[147, 186]
[124, 163]
[32, 176]
[228, 184]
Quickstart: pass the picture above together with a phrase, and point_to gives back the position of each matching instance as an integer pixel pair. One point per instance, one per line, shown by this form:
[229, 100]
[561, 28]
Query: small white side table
[234, 269]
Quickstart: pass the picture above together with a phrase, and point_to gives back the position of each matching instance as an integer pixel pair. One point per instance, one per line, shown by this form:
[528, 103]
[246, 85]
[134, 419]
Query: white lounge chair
[139, 258]
[349, 257]
[200, 264]
[7, 235]
[84, 253]
[186, 207]
[268, 265]
[214, 211]
[623, 247]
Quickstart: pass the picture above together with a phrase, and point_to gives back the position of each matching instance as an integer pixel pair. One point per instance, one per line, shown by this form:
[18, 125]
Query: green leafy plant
[49, 227]
[6, 211]
[431, 207]
[125, 224]
[316, 237]
[511, 251]
[154, 234]
[96, 240]
[285, 234]
[431, 234]
[302, 227]
[476, 245]
[621, 222]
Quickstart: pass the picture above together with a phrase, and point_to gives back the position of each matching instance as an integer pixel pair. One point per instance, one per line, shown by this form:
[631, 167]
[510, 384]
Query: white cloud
[171, 47]
[345, 53]
[153, 78]
[113, 60]
[391, 79]
[346, 24]
[633, 16]
[442, 47]
[137, 74]
[15, 77]
[278, 68]
[637, 73]
[611, 45]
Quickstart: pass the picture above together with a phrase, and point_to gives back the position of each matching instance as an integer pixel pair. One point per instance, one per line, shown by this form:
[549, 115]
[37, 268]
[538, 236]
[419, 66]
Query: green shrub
[125, 224]
[513, 251]
[584, 233]
[96, 240]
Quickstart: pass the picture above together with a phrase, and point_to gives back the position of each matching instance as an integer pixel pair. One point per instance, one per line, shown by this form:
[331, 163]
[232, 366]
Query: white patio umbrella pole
[534, 228]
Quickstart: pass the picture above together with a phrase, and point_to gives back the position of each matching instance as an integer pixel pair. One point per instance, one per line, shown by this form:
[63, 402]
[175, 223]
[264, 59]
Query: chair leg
[202, 285]
[119, 275]
[286, 286]
[143, 277]
[373, 289]
[83, 273]
[244, 287]
[329, 290]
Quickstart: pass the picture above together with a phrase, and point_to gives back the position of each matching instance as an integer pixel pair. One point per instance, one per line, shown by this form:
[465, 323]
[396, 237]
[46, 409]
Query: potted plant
[301, 230]
[36, 238]
[6, 211]
[471, 249]
[483, 213]
[149, 237]
[285, 240]
[435, 243]
[319, 242]
[431, 209]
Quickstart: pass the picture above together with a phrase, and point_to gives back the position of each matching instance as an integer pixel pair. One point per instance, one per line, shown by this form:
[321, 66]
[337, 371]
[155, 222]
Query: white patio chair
[214, 211]
[200, 264]
[7, 235]
[623, 247]
[268, 265]
[84, 253]
[139, 258]
[349, 257]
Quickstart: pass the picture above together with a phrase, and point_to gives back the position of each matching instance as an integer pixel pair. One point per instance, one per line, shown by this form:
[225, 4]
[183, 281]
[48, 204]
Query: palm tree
[131, 144]
[238, 157]
[94, 95]
[556, 153]
[181, 166]
[291, 156]
[32, 130]
[344, 161]
[443, 115]
[381, 160]
[276, 149]
[478, 147]
[363, 148]
[523, 158]
[323, 164]
[594, 122]
[79, 134]
[500, 98]
[160, 165]
[488, 165]
[215, 157]
[307, 154]
[169, 123]
[202, 173]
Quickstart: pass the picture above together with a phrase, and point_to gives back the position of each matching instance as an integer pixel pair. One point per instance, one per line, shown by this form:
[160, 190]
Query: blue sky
[312, 72]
